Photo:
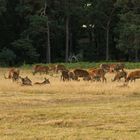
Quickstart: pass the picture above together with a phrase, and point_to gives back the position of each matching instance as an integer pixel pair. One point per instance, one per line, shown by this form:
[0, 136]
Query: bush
[7, 57]
[25, 51]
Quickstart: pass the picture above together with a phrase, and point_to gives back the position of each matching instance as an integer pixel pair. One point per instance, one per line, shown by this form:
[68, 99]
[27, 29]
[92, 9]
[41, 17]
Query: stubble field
[69, 110]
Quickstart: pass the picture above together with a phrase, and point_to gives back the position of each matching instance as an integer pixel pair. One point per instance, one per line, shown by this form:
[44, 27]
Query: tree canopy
[44, 31]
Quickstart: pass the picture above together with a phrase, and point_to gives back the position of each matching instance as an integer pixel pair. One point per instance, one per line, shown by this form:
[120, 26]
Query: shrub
[7, 57]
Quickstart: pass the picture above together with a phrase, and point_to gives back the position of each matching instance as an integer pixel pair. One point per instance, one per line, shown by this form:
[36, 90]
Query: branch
[43, 10]
[109, 20]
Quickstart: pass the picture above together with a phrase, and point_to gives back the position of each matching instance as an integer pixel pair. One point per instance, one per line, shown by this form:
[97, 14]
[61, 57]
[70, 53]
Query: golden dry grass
[69, 110]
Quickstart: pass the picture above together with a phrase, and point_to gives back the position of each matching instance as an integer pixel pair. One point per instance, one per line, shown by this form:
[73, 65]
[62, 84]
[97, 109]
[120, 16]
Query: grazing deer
[46, 81]
[97, 74]
[119, 75]
[88, 78]
[80, 73]
[112, 67]
[132, 76]
[40, 69]
[65, 75]
[59, 67]
[93, 76]
[72, 76]
[117, 67]
[105, 67]
[52, 68]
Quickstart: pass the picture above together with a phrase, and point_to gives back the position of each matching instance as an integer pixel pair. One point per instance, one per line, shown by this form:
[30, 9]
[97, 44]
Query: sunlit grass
[68, 110]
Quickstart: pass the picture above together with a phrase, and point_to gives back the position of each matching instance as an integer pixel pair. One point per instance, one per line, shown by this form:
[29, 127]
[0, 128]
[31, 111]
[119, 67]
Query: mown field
[69, 110]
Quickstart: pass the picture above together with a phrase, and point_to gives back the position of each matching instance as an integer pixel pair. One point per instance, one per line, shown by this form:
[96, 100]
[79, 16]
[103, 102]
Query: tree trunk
[48, 53]
[90, 37]
[48, 45]
[107, 44]
[67, 40]
[96, 44]
[70, 44]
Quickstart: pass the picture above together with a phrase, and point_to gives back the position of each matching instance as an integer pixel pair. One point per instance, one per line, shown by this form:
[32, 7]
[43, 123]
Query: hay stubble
[69, 110]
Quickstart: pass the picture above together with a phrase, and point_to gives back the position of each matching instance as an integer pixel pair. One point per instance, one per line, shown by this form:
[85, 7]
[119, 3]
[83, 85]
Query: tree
[104, 11]
[25, 51]
[51, 31]
[34, 13]
[44, 12]
[70, 9]
[2, 6]
[7, 57]
[129, 28]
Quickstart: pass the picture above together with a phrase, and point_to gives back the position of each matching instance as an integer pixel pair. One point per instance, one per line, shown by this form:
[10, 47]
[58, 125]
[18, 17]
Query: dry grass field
[69, 110]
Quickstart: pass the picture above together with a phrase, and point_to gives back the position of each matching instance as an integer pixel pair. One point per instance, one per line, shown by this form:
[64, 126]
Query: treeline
[45, 31]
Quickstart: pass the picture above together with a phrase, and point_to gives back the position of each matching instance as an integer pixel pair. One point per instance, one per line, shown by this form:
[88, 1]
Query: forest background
[50, 31]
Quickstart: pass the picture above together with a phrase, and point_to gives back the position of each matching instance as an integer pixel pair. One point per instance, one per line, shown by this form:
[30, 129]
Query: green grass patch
[85, 65]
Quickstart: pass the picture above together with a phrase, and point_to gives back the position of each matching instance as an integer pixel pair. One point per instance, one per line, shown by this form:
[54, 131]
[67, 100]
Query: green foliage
[23, 29]
[86, 65]
[37, 26]
[129, 28]
[25, 51]
[2, 6]
[7, 57]
[37, 21]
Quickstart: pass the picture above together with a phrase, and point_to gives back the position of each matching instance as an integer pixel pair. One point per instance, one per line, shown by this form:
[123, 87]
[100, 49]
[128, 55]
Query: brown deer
[81, 73]
[46, 81]
[59, 67]
[26, 81]
[117, 67]
[132, 76]
[13, 74]
[105, 67]
[40, 69]
[119, 75]
[72, 76]
[112, 67]
[98, 74]
[52, 68]
[65, 75]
